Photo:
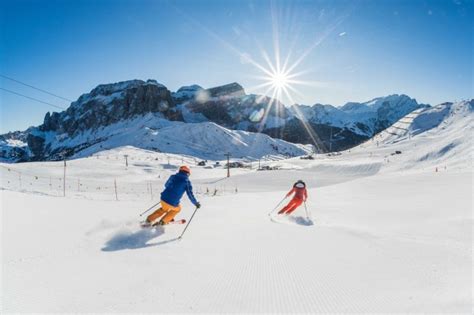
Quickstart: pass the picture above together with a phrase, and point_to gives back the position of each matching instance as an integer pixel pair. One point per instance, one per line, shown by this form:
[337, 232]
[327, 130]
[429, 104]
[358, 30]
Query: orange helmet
[185, 169]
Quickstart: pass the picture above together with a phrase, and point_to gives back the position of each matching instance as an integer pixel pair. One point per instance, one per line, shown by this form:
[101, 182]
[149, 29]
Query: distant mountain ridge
[325, 126]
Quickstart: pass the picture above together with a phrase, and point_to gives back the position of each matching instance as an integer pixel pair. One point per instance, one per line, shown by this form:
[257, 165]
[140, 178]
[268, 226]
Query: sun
[279, 80]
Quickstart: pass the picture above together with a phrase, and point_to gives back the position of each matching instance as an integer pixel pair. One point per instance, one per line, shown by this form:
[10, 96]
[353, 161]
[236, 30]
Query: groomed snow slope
[390, 234]
[370, 250]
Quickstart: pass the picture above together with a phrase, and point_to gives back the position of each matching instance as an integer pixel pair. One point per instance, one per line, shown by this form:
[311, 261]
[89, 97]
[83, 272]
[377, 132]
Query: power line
[33, 87]
[34, 99]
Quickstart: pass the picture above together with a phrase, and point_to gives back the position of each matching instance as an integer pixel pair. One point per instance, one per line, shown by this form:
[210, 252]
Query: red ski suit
[300, 196]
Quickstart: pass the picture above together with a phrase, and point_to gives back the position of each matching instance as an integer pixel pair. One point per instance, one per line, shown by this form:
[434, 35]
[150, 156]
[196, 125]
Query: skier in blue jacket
[175, 187]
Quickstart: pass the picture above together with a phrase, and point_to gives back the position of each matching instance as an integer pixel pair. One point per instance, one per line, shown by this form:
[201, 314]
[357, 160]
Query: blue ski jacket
[175, 187]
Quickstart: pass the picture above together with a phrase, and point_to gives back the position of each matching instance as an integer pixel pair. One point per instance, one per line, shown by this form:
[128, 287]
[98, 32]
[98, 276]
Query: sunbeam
[279, 75]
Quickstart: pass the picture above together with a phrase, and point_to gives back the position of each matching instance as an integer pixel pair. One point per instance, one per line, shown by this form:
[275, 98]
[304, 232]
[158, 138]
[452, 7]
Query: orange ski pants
[166, 210]
[291, 206]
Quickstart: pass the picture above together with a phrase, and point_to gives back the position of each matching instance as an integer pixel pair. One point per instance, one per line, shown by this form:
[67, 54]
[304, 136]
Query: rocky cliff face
[109, 103]
[325, 126]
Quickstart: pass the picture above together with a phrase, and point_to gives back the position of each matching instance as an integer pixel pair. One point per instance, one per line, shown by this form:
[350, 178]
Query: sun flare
[279, 80]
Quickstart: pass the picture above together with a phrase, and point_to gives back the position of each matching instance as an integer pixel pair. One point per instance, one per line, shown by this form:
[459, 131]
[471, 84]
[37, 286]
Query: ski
[182, 221]
[148, 225]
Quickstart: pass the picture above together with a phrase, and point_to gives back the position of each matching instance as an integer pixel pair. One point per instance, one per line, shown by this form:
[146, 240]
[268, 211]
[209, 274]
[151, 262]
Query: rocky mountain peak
[232, 89]
[109, 103]
[108, 89]
[186, 93]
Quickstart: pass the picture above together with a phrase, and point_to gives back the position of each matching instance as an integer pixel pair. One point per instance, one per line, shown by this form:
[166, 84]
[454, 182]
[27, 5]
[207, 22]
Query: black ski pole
[189, 222]
[150, 208]
[277, 206]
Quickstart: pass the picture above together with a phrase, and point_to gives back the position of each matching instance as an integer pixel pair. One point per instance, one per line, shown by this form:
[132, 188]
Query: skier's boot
[159, 223]
[145, 223]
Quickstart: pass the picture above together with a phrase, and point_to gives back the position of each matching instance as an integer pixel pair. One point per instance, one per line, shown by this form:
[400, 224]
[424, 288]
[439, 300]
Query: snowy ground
[390, 234]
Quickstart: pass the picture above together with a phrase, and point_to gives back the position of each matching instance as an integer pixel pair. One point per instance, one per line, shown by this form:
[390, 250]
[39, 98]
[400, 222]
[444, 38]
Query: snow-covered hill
[110, 107]
[202, 140]
[152, 132]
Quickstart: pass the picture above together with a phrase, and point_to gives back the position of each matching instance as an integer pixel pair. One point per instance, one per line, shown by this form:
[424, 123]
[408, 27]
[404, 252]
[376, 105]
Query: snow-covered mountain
[366, 118]
[205, 140]
[331, 128]
[429, 137]
[131, 112]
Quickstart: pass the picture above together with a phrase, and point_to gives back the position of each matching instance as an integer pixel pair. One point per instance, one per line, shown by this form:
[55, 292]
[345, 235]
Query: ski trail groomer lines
[175, 187]
[299, 188]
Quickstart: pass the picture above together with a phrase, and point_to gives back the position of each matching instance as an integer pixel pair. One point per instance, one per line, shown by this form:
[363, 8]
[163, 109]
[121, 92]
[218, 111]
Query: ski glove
[198, 205]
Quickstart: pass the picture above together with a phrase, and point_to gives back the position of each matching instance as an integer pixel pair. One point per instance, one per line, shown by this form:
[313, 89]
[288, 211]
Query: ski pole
[306, 209]
[189, 222]
[277, 206]
[149, 208]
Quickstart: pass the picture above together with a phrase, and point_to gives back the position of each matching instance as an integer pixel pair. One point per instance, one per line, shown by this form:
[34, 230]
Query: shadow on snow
[135, 240]
[293, 220]
[301, 221]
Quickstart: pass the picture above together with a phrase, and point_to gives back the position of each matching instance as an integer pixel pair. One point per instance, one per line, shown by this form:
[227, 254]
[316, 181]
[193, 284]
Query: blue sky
[353, 50]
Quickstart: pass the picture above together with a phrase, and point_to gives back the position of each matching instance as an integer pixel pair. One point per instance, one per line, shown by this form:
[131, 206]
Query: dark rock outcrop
[110, 103]
[233, 89]
[36, 145]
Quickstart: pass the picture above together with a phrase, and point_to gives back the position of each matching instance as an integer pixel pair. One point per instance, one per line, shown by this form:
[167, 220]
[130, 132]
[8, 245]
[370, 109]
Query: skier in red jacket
[299, 188]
